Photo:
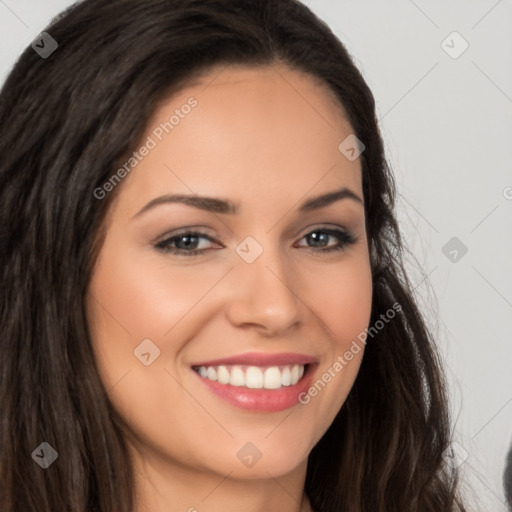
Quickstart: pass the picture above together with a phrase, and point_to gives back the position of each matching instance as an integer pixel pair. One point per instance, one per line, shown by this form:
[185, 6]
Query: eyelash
[346, 238]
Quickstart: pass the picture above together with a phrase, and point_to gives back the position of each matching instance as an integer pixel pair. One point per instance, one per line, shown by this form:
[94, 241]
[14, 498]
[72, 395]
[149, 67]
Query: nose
[263, 296]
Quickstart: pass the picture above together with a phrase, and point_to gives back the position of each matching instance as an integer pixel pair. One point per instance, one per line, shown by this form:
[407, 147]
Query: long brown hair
[65, 123]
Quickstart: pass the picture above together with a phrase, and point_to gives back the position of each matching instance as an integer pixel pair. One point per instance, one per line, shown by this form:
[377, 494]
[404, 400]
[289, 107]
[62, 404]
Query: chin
[262, 460]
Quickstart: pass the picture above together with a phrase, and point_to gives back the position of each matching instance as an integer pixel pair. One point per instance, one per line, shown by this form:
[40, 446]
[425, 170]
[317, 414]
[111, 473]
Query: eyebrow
[217, 205]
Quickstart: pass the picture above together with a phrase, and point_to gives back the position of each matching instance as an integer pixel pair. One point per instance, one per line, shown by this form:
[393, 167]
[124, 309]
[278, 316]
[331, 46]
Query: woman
[179, 332]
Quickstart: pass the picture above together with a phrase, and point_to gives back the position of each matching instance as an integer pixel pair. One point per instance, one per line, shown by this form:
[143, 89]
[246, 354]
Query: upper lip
[260, 359]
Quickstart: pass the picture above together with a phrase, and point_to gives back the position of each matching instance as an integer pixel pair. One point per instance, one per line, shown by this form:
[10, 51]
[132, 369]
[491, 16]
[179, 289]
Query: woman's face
[252, 298]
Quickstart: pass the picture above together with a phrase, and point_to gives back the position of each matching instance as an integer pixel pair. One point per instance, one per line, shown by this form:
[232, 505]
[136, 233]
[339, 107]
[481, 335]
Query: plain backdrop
[441, 74]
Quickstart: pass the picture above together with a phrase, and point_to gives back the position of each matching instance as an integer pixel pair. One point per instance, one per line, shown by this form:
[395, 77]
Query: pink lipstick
[258, 381]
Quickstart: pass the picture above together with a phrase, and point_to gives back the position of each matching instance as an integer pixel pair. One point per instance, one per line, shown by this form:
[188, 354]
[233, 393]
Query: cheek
[131, 301]
[145, 296]
[139, 297]
[344, 295]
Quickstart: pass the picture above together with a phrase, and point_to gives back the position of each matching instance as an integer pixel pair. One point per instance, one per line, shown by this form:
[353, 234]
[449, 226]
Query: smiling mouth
[254, 377]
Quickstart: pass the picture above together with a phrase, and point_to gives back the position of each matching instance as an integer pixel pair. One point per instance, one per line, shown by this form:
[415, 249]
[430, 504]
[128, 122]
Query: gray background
[447, 125]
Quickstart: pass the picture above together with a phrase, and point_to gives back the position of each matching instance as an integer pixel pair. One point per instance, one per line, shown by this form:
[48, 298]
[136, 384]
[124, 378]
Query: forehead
[253, 134]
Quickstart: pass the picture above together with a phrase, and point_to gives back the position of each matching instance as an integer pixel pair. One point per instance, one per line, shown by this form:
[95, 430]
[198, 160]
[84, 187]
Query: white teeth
[223, 375]
[237, 376]
[286, 376]
[254, 377]
[295, 374]
[272, 378]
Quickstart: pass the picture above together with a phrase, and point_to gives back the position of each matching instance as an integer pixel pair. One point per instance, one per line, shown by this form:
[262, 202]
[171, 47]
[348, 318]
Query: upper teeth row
[254, 377]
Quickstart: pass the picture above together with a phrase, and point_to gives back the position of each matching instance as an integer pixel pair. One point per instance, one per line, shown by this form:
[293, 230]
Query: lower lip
[261, 400]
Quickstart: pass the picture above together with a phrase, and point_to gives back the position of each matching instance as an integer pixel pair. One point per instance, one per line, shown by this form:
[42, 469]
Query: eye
[320, 237]
[186, 243]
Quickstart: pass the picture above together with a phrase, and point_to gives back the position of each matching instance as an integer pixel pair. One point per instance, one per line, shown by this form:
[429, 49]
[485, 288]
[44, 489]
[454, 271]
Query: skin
[266, 138]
